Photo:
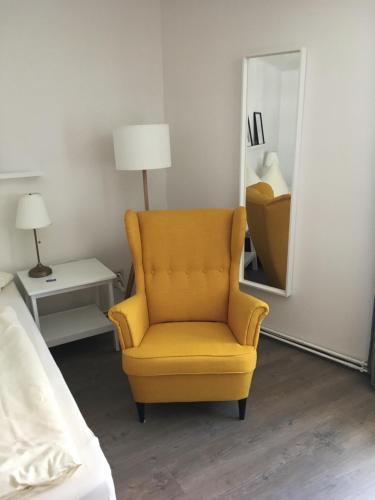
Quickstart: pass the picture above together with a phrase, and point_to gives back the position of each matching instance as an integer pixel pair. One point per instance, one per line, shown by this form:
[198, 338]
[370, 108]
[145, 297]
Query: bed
[93, 479]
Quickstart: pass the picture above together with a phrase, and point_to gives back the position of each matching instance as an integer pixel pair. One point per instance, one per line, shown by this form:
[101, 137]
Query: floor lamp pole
[130, 285]
[145, 189]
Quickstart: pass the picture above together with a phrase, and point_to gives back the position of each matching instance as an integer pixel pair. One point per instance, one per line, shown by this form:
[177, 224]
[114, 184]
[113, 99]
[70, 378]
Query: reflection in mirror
[271, 120]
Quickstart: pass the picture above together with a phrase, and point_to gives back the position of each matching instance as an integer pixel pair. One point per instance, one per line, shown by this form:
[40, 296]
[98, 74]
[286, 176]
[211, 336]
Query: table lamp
[32, 214]
[142, 147]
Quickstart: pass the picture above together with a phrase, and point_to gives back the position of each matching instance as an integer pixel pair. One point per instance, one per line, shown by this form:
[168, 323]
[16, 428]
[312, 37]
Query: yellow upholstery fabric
[187, 348]
[186, 265]
[246, 314]
[183, 388]
[188, 334]
[268, 221]
[134, 240]
[131, 320]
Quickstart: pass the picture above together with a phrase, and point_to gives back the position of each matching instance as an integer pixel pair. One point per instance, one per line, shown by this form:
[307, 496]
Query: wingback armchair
[189, 333]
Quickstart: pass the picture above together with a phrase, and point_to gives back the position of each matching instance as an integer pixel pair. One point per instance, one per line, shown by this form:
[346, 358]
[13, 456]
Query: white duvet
[35, 448]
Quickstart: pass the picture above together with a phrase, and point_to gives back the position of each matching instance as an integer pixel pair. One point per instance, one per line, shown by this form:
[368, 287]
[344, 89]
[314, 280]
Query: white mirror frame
[293, 205]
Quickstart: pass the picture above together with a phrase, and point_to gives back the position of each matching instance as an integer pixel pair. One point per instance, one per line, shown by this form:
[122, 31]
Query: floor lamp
[141, 147]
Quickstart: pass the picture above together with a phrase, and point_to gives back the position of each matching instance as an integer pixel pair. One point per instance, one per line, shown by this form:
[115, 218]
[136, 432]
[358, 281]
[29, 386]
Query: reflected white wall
[288, 122]
[273, 91]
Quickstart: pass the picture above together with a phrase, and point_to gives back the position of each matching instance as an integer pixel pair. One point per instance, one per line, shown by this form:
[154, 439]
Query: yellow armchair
[188, 334]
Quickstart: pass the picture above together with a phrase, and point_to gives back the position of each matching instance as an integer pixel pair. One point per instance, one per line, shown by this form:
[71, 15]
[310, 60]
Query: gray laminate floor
[309, 433]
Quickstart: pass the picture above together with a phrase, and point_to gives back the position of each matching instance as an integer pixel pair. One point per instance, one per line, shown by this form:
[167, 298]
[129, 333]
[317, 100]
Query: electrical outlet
[120, 272]
[120, 280]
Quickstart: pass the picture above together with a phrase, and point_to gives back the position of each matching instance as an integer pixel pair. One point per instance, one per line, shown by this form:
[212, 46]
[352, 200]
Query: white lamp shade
[271, 159]
[142, 147]
[32, 212]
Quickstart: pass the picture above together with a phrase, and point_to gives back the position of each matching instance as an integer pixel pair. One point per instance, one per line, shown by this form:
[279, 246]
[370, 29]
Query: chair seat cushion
[189, 348]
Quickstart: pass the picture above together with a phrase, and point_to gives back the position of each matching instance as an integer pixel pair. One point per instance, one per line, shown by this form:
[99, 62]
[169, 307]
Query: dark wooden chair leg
[242, 408]
[141, 412]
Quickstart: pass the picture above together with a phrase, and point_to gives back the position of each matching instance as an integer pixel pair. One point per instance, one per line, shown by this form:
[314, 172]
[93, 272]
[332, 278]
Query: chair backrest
[186, 261]
[268, 221]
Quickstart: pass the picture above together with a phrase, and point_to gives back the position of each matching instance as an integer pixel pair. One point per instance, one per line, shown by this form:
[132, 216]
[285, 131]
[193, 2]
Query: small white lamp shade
[32, 212]
[142, 147]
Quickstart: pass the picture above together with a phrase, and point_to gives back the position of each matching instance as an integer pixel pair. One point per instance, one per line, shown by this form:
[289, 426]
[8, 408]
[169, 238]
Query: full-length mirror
[272, 98]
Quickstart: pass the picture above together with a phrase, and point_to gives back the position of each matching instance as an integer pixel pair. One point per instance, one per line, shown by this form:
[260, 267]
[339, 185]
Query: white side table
[67, 326]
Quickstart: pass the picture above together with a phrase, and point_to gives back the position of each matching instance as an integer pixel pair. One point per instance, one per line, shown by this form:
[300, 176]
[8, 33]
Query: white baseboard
[356, 364]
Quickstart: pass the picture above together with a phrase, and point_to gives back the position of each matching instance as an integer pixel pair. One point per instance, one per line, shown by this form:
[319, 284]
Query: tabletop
[67, 276]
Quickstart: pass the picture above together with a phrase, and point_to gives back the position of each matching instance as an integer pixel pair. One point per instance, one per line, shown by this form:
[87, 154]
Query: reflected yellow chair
[268, 221]
[188, 334]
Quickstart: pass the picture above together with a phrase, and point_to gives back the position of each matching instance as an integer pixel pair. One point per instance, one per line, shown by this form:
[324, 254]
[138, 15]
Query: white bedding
[35, 446]
[93, 479]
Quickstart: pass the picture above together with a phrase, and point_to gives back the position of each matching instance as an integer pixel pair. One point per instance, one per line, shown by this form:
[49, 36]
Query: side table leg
[34, 308]
[111, 302]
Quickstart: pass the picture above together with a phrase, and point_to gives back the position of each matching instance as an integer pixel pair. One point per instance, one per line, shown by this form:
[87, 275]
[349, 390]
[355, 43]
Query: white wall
[70, 73]
[203, 45]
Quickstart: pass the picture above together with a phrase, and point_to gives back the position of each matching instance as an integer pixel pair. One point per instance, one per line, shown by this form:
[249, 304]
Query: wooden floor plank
[309, 433]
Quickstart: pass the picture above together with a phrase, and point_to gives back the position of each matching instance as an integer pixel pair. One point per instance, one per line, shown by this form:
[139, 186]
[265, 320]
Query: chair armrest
[131, 320]
[245, 316]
